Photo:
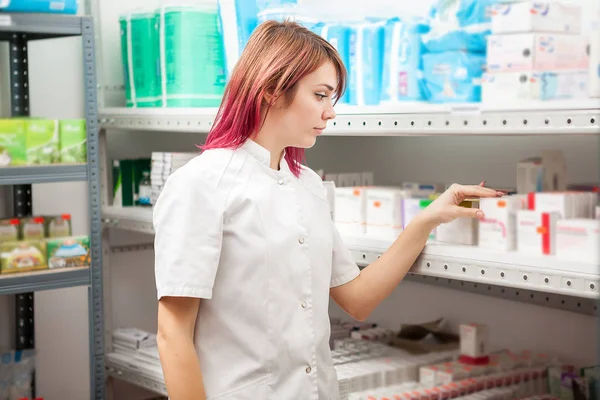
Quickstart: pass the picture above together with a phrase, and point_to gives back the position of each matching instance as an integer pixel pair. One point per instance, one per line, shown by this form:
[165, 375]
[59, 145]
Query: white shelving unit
[544, 281]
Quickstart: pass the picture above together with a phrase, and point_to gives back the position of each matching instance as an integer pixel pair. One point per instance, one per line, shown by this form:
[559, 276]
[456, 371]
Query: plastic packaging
[238, 20]
[453, 76]
[402, 77]
[40, 6]
[192, 59]
[366, 58]
[16, 374]
[140, 55]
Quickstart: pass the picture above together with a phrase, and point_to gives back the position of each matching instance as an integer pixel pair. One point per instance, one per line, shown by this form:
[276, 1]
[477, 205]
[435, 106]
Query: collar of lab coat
[263, 155]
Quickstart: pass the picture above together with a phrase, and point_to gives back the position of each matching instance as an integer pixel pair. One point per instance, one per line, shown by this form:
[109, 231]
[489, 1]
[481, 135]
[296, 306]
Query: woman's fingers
[478, 191]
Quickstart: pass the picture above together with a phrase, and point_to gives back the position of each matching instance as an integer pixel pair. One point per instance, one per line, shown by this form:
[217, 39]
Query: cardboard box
[536, 232]
[474, 340]
[536, 16]
[532, 85]
[22, 256]
[384, 212]
[73, 141]
[498, 230]
[33, 228]
[530, 176]
[567, 205]
[578, 239]
[58, 226]
[555, 170]
[536, 52]
[350, 210]
[461, 230]
[68, 252]
[12, 142]
[412, 207]
[42, 141]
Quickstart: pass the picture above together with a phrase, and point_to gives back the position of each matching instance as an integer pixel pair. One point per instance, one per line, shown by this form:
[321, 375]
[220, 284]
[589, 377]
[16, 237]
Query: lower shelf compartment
[139, 374]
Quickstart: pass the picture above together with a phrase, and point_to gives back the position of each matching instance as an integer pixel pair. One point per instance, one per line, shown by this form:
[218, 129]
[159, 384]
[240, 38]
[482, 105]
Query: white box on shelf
[567, 205]
[350, 210]
[536, 16]
[577, 240]
[597, 212]
[594, 65]
[474, 340]
[533, 85]
[498, 230]
[423, 188]
[536, 52]
[536, 232]
[411, 207]
[555, 170]
[530, 176]
[384, 212]
[461, 230]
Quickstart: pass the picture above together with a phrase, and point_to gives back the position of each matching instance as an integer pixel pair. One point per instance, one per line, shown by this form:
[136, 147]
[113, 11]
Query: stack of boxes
[536, 52]
[37, 141]
[41, 242]
[163, 165]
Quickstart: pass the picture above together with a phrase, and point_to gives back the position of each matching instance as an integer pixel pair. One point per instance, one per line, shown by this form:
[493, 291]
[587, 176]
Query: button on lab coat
[260, 246]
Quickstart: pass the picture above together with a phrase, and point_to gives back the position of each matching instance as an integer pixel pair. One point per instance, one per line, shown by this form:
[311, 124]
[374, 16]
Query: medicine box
[461, 230]
[536, 52]
[532, 85]
[577, 240]
[58, 226]
[22, 256]
[474, 340]
[498, 230]
[594, 64]
[536, 16]
[350, 210]
[566, 204]
[411, 207]
[12, 142]
[555, 170]
[68, 252]
[530, 176]
[73, 141]
[536, 232]
[384, 212]
[40, 6]
[42, 141]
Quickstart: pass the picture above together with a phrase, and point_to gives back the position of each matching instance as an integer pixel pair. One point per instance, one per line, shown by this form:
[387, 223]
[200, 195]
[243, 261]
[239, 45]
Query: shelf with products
[126, 368]
[42, 174]
[411, 119]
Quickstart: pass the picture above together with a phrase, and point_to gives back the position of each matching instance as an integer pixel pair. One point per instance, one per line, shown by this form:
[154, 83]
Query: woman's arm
[360, 296]
[175, 338]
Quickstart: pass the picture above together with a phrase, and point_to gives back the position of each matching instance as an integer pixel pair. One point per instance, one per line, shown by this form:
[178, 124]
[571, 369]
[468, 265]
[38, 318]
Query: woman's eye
[321, 96]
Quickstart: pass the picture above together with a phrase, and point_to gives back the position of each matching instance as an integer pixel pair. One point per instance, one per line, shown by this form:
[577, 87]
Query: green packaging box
[22, 256]
[33, 228]
[12, 142]
[73, 141]
[68, 252]
[58, 226]
[10, 230]
[41, 139]
[127, 175]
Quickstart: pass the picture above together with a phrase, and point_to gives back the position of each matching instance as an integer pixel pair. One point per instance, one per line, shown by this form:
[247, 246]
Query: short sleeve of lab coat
[188, 225]
[344, 268]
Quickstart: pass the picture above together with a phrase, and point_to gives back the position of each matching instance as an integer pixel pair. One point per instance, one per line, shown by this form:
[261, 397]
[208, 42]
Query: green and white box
[12, 142]
[73, 141]
[41, 140]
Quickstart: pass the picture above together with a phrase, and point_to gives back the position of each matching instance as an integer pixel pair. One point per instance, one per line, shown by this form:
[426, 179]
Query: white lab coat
[260, 245]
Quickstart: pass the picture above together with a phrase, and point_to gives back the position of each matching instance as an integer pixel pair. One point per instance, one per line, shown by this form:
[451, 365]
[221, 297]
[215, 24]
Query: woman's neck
[274, 149]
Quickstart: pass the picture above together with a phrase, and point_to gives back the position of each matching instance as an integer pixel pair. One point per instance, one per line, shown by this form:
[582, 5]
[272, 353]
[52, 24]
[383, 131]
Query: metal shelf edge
[43, 174]
[44, 280]
[40, 25]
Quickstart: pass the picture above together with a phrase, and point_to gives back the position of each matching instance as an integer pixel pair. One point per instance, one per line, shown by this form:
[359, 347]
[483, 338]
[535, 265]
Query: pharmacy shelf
[580, 117]
[42, 174]
[39, 26]
[546, 274]
[130, 371]
[44, 280]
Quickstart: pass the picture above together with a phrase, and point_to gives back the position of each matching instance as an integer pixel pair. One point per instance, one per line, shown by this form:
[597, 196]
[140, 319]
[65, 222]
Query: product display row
[461, 52]
[41, 242]
[35, 141]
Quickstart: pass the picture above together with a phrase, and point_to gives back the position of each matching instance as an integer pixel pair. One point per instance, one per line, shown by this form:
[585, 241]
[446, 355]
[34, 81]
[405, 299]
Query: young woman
[246, 253]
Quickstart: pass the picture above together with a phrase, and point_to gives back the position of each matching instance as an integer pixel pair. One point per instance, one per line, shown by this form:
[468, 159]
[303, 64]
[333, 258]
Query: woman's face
[299, 123]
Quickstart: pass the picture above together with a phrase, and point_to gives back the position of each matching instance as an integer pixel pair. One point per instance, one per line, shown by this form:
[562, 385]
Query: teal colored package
[140, 56]
[453, 76]
[192, 56]
[459, 25]
[366, 62]
[40, 6]
[402, 77]
[338, 35]
[238, 20]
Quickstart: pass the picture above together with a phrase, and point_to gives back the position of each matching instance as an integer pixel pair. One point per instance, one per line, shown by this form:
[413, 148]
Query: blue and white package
[238, 21]
[402, 77]
[459, 25]
[338, 35]
[40, 6]
[453, 76]
[366, 61]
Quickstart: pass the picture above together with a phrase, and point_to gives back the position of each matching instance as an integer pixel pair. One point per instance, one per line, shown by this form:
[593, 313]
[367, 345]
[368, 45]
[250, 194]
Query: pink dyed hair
[276, 57]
